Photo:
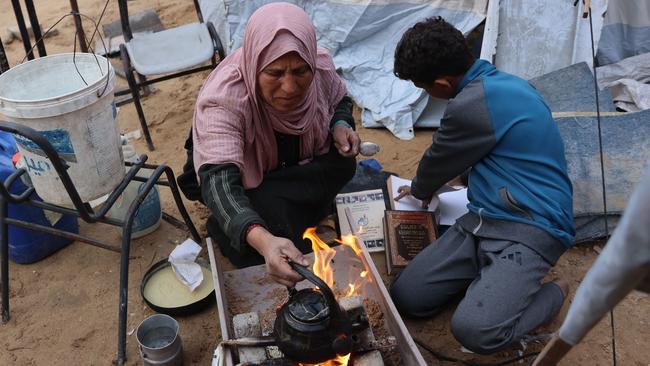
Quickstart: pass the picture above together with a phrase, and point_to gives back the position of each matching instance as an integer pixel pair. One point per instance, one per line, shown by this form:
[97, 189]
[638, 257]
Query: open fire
[378, 333]
[323, 257]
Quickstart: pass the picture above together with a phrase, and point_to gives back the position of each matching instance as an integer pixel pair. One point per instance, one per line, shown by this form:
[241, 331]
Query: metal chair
[86, 213]
[171, 53]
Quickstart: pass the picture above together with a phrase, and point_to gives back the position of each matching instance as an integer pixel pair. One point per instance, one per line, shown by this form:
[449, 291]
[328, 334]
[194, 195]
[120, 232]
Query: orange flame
[323, 256]
[337, 361]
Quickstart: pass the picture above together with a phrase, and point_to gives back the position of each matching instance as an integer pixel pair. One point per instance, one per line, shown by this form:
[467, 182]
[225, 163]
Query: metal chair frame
[137, 81]
[22, 27]
[86, 213]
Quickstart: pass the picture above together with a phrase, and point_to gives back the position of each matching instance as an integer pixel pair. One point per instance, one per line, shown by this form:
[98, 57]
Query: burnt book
[406, 233]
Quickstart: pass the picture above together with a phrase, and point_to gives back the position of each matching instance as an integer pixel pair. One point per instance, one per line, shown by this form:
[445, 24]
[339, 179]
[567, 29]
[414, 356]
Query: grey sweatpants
[504, 299]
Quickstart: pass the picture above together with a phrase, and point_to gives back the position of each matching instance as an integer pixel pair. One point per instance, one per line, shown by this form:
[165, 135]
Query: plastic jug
[147, 219]
[28, 246]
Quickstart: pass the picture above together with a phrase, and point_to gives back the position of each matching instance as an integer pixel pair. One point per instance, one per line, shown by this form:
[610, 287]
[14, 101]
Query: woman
[273, 141]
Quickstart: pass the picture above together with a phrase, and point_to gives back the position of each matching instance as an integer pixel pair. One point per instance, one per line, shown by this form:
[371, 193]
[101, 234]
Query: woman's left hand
[346, 141]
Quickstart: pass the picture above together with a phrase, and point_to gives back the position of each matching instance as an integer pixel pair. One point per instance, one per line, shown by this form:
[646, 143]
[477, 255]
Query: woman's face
[285, 81]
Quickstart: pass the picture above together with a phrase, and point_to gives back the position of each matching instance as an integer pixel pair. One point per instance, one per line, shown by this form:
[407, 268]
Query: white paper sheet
[182, 259]
[450, 202]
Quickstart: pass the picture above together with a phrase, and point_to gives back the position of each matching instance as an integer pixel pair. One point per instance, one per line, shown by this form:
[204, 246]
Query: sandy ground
[64, 308]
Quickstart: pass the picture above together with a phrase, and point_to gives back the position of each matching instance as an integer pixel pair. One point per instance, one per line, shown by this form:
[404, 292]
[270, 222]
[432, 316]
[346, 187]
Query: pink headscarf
[232, 124]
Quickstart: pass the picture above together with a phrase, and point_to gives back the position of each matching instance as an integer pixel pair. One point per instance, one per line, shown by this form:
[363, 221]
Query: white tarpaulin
[628, 81]
[626, 31]
[361, 36]
[537, 37]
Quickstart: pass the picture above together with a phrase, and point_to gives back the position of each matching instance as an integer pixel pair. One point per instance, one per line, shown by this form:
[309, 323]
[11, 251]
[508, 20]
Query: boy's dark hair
[430, 49]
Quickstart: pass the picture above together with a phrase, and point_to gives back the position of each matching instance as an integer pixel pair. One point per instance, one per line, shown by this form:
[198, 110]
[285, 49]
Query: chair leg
[179, 204]
[4, 241]
[146, 89]
[218, 47]
[135, 93]
[124, 292]
[124, 261]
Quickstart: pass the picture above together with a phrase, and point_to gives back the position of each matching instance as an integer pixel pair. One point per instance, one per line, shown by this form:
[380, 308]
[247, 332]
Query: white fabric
[537, 37]
[622, 265]
[170, 50]
[625, 32]
[361, 35]
[628, 81]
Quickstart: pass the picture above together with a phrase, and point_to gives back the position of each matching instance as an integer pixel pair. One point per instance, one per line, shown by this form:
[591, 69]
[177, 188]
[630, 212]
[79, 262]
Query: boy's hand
[406, 191]
[456, 183]
[403, 192]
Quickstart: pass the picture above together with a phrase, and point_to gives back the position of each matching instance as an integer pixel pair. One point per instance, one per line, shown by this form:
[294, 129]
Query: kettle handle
[326, 290]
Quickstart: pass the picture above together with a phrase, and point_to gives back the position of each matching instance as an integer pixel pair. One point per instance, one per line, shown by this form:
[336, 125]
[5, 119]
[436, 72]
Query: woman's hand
[277, 253]
[346, 140]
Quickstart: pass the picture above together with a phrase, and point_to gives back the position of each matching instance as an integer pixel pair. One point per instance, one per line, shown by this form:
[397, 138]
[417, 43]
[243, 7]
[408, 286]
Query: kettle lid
[309, 306]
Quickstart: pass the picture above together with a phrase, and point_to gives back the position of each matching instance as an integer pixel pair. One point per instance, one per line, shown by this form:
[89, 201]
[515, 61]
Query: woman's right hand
[277, 253]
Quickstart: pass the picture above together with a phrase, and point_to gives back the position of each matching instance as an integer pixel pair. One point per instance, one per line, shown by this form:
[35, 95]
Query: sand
[64, 308]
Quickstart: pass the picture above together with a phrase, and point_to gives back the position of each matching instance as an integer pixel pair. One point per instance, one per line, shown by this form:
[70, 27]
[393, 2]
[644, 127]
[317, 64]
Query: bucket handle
[74, 50]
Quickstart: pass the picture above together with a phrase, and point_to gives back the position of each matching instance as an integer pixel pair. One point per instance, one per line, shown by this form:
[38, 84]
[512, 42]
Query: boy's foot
[563, 285]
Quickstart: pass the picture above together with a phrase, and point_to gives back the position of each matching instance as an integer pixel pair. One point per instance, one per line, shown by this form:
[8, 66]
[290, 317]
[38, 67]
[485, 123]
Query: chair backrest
[4, 63]
[124, 17]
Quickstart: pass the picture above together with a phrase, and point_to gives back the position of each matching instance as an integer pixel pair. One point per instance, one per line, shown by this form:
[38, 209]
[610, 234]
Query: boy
[520, 216]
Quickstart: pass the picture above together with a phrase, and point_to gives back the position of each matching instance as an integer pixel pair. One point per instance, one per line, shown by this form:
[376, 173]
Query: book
[448, 204]
[361, 213]
[408, 203]
[406, 234]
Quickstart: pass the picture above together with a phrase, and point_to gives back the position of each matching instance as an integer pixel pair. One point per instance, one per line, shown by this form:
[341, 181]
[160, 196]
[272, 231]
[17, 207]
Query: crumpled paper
[182, 259]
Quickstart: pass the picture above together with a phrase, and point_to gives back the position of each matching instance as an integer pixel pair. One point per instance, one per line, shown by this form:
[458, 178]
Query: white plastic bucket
[49, 95]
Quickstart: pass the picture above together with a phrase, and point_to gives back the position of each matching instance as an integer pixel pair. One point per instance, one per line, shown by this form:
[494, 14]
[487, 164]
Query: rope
[602, 167]
[443, 357]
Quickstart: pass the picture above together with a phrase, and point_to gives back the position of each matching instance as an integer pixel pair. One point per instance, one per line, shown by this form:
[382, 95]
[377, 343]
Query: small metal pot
[311, 327]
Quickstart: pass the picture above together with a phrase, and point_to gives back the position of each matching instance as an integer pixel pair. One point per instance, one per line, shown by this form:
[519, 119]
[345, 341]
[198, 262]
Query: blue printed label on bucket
[37, 167]
[60, 140]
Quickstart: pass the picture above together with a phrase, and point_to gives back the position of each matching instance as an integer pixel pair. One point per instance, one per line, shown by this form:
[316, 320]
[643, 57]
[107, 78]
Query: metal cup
[159, 342]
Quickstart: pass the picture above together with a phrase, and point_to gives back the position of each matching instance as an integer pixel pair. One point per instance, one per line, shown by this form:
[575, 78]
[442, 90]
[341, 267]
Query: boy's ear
[443, 82]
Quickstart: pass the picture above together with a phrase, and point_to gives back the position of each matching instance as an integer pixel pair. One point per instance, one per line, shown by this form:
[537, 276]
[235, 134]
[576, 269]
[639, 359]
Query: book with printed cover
[361, 213]
[406, 234]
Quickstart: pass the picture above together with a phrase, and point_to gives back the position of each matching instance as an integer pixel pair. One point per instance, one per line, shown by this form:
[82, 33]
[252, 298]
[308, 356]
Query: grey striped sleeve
[223, 193]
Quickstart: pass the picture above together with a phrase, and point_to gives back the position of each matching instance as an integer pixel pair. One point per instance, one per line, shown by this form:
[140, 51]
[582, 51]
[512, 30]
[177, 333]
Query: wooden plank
[250, 290]
[491, 31]
[409, 351]
[586, 114]
[222, 304]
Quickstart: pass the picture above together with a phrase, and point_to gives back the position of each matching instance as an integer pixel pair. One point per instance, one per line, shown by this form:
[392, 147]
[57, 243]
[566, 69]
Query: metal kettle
[311, 327]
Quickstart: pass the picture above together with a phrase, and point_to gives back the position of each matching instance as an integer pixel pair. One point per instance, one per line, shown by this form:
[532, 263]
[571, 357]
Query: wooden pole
[4, 63]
